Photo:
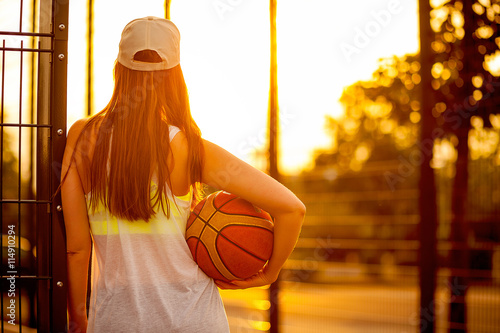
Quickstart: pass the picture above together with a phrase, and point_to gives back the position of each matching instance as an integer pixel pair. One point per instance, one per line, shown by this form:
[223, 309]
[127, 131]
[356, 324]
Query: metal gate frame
[58, 121]
[50, 127]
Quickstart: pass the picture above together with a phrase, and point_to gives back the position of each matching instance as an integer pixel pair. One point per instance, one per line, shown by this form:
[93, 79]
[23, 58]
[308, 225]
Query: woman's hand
[262, 278]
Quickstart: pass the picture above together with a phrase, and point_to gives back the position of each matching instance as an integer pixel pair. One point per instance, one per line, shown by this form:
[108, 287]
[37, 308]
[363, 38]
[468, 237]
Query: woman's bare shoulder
[75, 131]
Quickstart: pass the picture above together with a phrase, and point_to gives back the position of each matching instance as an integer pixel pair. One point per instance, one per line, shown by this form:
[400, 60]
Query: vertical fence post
[58, 121]
[90, 57]
[43, 169]
[273, 150]
[167, 9]
[427, 186]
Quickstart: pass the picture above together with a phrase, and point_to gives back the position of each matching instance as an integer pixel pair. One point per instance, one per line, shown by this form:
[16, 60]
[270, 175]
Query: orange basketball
[229, 238]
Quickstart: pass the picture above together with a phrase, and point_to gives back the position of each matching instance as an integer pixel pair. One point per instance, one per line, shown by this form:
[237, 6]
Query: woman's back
[144, 277]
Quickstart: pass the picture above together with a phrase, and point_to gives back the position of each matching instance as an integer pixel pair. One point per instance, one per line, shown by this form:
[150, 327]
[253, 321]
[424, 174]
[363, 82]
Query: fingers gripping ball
[229, 238]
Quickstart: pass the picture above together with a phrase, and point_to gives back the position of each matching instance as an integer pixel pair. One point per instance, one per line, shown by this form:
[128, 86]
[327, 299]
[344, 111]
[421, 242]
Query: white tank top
[144, 278]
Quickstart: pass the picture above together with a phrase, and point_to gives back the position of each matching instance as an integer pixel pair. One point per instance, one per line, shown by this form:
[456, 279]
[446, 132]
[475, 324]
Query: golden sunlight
[492, 63]
[226, 65]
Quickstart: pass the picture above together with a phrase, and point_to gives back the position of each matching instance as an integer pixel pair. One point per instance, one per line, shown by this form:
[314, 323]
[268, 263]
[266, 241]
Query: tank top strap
[172, 131]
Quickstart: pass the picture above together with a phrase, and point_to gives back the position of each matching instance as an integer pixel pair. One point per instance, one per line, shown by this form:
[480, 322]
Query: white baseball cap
[150, 33]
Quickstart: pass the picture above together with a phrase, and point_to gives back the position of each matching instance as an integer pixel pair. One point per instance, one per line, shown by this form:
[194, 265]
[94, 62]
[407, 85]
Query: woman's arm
[224, 171]
[77, 235]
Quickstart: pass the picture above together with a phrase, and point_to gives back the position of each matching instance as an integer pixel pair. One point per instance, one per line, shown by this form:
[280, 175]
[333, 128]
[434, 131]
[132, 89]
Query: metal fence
[356, 266]
[33, 37]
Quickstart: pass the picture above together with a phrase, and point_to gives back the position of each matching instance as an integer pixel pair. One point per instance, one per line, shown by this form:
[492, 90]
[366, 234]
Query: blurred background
[381, 115]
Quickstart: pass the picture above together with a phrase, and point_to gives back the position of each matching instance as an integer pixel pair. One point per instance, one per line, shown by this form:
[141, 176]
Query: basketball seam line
[222, 260]
[214, 229]
[217, 209]
[225, 203]
[250, 253]
[213, 263]
[198, 242]
[215, 212]
[240, 214]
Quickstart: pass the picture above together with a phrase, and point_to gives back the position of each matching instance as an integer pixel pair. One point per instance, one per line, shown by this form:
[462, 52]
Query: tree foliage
[382, 115]
[467, 61]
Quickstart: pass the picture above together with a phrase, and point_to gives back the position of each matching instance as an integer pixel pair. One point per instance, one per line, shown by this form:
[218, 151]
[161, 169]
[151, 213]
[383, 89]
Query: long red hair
[133, 142]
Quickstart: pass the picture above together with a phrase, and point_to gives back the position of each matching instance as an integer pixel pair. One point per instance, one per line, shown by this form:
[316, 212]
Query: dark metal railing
[33, 254]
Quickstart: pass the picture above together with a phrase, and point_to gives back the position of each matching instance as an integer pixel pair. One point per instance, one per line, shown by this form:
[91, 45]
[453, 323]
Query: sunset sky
[322, 47]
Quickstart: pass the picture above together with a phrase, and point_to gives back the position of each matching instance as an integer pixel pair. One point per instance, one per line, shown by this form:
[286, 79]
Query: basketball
[229, 238]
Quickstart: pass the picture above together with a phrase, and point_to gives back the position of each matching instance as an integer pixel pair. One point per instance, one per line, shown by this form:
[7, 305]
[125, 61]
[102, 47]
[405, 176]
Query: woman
[129, 178]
